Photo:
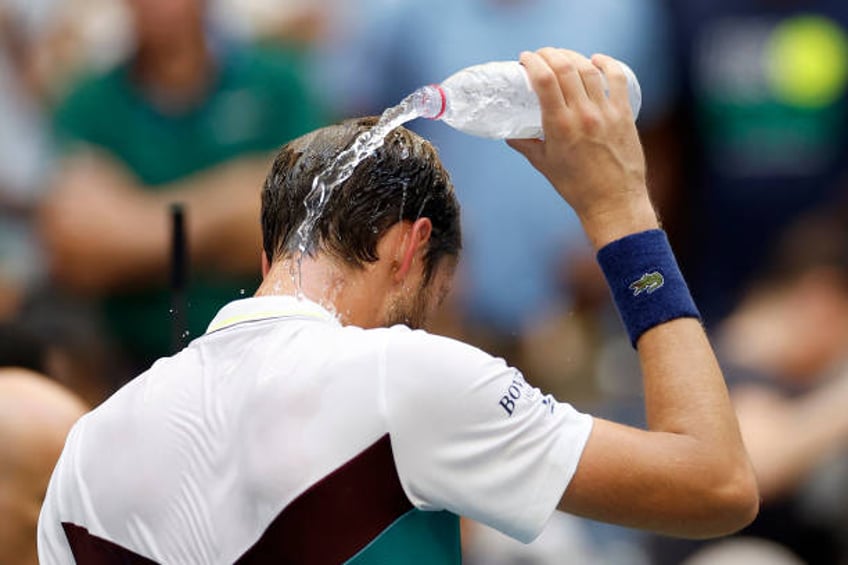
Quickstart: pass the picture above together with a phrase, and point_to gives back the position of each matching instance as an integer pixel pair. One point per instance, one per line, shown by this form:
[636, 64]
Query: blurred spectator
[562, 538]
[186, 118]
[517, 244]
[42, 45]
[785, 352]
[743, 551]
[71, 347]
[764, 120]
[302, 21]
[39, 40]
[35, 416]
[58, 339]
[24, 155]
[20, 347]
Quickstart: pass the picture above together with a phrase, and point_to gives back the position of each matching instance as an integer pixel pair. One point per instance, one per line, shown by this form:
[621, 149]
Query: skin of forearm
[689, 474]
[668, 353]
[693, 452]
[795, 436]
[222, 211]
[104, 231]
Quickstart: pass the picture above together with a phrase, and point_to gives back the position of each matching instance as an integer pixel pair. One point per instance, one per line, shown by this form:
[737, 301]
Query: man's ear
[415, 241]
[266, 264]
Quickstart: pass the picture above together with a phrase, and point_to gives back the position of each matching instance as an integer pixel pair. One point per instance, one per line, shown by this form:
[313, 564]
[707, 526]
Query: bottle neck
[430, 101]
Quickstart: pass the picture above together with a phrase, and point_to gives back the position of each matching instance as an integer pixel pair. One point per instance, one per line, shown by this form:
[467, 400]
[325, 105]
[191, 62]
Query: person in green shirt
[180, 121]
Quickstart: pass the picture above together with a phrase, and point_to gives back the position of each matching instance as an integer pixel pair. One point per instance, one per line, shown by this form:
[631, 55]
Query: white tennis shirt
[282, 435]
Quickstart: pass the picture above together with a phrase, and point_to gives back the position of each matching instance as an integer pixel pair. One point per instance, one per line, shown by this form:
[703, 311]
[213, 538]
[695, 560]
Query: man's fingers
[545, 83]
[616, 80]
[566, 66]
[593, 82]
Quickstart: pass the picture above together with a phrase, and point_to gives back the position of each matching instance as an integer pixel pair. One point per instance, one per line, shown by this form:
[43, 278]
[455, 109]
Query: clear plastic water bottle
[495, 100]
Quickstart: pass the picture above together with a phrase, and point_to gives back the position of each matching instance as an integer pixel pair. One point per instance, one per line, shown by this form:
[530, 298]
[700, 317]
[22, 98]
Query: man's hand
[591, 152]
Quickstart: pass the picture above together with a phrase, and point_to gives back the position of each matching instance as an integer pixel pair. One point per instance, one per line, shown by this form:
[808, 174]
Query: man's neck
[349, 293]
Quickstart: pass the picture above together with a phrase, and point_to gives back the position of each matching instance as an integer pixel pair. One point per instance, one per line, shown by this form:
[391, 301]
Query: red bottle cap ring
[444, 102]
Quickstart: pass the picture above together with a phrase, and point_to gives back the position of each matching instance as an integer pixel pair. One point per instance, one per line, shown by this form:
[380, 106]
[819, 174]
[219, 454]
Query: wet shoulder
[434, 361]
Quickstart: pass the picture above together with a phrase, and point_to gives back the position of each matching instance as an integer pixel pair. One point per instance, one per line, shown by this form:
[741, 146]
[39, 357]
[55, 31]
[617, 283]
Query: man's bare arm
[103, 230]
[788, 438]
[689, 474]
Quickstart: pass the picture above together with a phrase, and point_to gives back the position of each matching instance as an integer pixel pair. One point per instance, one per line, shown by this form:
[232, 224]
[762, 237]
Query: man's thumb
[530, 148]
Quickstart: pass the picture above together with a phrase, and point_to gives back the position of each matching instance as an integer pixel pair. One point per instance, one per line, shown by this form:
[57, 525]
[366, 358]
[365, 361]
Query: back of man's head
[404, 180]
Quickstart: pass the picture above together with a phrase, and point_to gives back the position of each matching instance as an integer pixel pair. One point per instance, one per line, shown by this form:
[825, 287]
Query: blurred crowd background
[111, 111]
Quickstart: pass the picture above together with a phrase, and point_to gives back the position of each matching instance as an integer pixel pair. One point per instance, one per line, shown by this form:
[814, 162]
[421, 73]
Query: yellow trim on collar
[263, 316]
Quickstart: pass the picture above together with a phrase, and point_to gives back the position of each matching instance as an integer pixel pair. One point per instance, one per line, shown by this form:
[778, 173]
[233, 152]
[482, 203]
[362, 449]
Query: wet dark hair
[403, 180]
[21, 347]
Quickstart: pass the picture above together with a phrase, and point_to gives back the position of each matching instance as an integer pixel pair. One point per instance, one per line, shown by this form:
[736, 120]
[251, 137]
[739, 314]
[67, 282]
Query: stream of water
[325, 182]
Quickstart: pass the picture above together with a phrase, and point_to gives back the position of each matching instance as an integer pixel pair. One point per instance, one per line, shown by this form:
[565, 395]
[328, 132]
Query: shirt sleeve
[52, 543]
[471, 436]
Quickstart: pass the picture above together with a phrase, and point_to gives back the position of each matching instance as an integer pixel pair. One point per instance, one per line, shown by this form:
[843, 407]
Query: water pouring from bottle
[493, 100]
[325, 183]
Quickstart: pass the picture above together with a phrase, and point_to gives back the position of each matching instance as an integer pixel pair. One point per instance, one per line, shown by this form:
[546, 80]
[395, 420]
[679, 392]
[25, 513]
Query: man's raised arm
[689, 474]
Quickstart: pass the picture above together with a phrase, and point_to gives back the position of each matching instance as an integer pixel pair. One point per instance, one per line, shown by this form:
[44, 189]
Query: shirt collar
[266, 307]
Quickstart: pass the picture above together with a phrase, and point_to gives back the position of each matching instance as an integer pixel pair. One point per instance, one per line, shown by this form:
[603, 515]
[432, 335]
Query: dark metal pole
[179, 278]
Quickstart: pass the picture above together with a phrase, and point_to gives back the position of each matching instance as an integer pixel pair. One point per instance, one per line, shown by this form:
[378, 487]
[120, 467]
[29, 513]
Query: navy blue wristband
[646, 282]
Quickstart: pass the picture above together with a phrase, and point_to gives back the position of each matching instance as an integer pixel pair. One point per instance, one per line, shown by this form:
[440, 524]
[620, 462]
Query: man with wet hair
[402, 182]
[308, 426]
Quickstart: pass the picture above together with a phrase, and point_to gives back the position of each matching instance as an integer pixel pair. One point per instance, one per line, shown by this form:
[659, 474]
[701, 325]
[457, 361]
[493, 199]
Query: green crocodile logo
[649, 282]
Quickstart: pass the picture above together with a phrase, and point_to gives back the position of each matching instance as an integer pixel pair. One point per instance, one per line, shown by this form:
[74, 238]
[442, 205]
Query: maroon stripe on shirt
[328, 524]
[92, 550]
[337, 516]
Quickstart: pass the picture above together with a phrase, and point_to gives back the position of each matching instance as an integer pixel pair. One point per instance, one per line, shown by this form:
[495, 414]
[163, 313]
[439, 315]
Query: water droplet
[421, 208]
[403, 200]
